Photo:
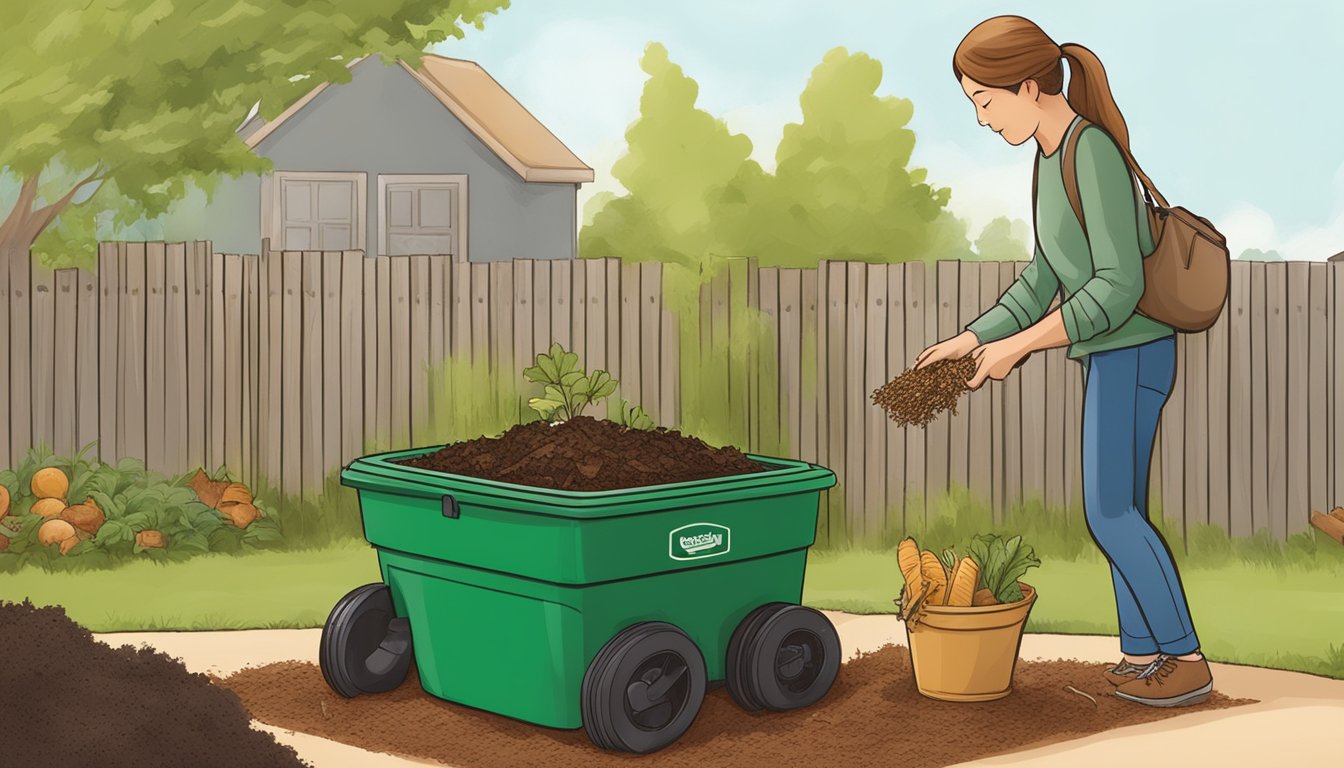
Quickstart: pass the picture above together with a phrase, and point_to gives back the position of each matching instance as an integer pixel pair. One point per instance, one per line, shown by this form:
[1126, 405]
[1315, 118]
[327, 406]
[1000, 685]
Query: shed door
[421, 218]
[317, 215]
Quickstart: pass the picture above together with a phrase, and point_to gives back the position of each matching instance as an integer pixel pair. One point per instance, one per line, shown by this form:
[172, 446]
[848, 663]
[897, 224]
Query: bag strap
[1035, 178]
[1069, 169]
[1068, 166]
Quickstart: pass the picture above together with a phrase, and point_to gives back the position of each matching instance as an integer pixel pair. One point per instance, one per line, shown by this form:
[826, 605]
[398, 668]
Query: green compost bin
[511, 591]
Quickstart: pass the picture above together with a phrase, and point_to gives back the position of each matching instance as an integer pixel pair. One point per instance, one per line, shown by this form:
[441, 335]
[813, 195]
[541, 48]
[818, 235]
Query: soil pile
[872, 716]
[587, 454]
[69, 700]
[919, 394]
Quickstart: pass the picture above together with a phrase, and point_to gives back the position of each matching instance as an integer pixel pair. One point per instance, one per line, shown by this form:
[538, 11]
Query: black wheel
[736, 668]
[782, 657]
[643, 689]
[366, 647]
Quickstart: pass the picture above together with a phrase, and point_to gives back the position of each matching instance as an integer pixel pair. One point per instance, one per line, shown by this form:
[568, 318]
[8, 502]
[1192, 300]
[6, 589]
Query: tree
[843, 188]
[1003, 240]
[678, 159]
[112, 107]
[1255, 254]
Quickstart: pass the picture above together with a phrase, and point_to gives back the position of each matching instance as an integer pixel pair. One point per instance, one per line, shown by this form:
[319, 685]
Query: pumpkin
[49, 507]
[86, 517]
[50, 483]
[207, 490]
[241, 515]
[150, 540]
[236, 493]
[4, 501]
[54, 532]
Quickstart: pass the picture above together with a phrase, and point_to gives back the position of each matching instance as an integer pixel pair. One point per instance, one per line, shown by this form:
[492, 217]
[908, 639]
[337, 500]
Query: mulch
[873, 716]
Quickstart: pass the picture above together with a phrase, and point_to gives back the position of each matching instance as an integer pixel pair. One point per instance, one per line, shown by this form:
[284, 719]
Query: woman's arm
[1109, 297]
[997, 359]
[1021, 305]
[1047, 334]
[1106, 191]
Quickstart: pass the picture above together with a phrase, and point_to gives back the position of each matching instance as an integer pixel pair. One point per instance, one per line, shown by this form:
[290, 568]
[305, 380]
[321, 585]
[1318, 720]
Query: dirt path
[1296, 708]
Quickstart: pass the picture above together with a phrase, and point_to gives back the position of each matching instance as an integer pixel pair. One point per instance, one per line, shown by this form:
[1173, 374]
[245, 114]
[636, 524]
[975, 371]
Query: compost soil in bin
[69, 701]
[587, 454]
[872, 716]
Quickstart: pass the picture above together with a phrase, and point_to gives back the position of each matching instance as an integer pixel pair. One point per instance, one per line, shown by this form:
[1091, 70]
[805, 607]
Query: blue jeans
[1125, 390]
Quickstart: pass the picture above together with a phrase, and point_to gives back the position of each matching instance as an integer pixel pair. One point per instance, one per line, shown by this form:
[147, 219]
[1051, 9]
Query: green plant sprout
[567, 388]
[632, 416]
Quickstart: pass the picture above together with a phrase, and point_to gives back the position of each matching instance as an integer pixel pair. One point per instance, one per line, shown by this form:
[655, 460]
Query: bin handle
[450, 508]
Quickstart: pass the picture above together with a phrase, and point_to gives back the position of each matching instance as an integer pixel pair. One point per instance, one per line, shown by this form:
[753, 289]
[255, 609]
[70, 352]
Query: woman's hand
[996, 360]
[954, 348]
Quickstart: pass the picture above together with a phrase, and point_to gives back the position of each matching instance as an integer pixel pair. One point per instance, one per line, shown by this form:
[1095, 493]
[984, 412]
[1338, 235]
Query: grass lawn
[270, 590]
[1286, 617]
[1289, 618]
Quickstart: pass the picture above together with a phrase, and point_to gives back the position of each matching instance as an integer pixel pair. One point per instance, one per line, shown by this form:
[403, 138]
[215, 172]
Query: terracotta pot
[968, 654]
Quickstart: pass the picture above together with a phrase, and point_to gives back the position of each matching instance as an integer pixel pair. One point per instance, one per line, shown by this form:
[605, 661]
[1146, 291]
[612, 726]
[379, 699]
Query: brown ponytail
[1005, 51]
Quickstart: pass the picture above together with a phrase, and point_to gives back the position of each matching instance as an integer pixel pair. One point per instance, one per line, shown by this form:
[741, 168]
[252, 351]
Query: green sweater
[1100, 284]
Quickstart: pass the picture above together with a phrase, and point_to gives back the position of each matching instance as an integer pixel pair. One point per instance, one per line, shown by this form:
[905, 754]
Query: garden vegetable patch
[69, 701]
[872, 710]
[77, 512]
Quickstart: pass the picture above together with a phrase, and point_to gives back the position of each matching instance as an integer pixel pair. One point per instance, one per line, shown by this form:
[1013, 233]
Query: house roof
[487, 110]
[1337, 257]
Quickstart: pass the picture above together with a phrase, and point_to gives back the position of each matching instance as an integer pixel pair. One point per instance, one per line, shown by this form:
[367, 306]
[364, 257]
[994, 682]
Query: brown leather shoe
[1123, 672]
[1169, 682]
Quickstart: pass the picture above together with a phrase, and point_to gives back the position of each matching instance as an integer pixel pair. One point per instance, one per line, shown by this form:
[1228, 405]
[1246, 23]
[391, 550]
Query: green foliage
[678, 158]
[632, 416]
[568, 389]
[1060, 533]
[467, 399]
[1255, 254]
[133, 500]
[842, 188]
[107, 110]
[1002, 562]
[1003, 240]
[325, 517]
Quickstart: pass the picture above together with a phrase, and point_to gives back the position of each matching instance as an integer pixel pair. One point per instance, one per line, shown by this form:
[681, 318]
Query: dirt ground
[67, 700]
[872, 714]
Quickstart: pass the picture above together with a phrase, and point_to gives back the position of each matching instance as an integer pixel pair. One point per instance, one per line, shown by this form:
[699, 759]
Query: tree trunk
[22, 226]
[12, 252]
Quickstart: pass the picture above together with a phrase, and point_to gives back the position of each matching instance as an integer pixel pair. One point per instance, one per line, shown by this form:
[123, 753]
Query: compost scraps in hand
[919, 394]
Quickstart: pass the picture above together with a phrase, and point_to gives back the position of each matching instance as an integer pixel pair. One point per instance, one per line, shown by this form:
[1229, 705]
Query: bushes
[120, 512]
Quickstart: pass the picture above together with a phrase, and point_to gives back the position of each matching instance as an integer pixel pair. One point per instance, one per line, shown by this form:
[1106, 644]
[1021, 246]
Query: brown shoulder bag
[1185, 278]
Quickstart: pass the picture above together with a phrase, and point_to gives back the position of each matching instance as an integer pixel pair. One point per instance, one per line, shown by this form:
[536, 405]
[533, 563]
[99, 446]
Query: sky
[1234, 108]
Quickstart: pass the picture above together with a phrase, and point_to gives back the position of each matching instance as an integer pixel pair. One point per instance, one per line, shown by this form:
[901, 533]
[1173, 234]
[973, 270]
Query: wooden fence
[287, 365]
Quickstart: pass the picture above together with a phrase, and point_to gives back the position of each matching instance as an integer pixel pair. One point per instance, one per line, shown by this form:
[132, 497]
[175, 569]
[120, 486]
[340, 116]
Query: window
[317, 211]
[423, 214]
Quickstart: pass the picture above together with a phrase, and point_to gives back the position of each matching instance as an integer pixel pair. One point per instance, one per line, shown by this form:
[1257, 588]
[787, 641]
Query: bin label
[699, 540]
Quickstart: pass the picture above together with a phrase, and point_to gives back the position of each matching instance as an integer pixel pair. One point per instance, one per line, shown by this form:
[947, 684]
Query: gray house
[439, 159]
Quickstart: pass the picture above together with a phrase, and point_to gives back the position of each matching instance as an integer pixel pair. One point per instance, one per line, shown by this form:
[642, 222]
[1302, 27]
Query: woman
[1013, 73]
